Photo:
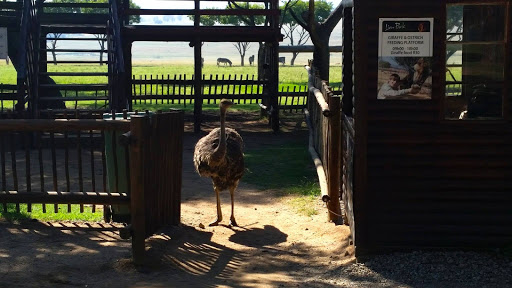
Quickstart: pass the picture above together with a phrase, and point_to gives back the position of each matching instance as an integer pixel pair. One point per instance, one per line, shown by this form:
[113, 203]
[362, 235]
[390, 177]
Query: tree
[242, 47]
[320, 33]
[53, 46]
[235, 20]
[454, 26]
[297, 35]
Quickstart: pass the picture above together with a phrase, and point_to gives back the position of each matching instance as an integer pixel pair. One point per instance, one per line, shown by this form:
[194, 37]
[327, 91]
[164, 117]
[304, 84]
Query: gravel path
[421, 269]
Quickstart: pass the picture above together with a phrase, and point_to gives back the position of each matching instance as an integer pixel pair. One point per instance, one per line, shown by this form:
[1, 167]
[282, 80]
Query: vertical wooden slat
[145, 88]
[13, 167]
[140, 90]
[151, 89]
[138, 127]
[168, 85]
[134, 88]
[210, 88]
[104, 169]
[66, 161]
[173, 89]
[54, 168]
[216, 84]
[222, 85]
[26, 140]
[41, 165]
[2, 160]
[93, 176]
[80, 170]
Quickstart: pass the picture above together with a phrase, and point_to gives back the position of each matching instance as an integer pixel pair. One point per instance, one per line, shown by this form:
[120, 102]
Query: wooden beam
[306, 48]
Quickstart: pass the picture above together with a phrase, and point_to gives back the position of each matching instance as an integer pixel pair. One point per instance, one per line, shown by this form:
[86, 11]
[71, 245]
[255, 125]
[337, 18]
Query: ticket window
[475, 66]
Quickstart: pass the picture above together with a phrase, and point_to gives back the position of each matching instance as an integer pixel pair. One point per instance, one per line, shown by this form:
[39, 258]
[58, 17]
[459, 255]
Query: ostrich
[219, 155]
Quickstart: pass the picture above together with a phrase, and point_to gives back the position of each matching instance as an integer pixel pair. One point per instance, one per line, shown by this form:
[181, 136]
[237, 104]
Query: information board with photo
[405, 57]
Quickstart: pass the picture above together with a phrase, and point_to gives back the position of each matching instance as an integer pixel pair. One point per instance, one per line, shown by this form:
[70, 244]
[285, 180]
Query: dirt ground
[273, 247]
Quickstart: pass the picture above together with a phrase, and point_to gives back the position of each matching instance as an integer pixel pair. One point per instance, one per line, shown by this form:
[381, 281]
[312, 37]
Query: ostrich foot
[215, 223]
[232, 222]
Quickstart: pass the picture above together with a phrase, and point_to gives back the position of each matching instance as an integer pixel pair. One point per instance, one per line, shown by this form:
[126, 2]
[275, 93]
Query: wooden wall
[420, 180]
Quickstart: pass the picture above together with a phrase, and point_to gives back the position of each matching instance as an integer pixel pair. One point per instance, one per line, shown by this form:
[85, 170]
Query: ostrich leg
[232, 220]
[219, 212]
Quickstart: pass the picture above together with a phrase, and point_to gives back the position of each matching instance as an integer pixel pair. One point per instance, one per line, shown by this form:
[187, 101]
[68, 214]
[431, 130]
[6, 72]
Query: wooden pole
[334, 162]
[198, 91]
[198, 98]
[138, 128]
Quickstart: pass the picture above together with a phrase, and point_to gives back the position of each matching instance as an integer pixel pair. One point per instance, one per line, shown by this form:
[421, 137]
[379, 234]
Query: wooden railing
[323, 116]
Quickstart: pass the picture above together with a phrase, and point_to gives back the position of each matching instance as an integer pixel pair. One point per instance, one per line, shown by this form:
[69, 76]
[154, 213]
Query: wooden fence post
[198, 89]
[333, 160]
[138, 127]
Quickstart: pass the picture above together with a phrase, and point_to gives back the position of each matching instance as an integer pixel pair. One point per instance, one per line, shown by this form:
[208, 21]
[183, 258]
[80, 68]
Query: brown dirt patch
[273, 247]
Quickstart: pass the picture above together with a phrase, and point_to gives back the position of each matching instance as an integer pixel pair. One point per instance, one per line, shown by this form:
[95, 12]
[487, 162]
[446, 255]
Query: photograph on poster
[405, 57]
[404, 78]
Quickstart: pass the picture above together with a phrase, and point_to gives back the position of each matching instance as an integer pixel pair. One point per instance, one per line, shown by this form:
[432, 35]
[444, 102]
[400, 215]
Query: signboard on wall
[405, 54]
[3, 43]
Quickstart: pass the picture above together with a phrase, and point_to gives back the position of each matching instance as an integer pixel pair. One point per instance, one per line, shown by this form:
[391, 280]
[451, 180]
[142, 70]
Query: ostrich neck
[220, 152]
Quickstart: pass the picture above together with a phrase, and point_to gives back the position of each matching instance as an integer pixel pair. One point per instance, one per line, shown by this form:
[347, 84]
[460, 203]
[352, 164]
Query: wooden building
[432, 161]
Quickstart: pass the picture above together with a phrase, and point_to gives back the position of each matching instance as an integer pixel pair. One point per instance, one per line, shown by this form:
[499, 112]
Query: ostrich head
[225, 104]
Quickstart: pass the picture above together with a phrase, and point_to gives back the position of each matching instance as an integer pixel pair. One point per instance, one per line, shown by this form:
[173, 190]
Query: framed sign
[3, 43]
[405, 55]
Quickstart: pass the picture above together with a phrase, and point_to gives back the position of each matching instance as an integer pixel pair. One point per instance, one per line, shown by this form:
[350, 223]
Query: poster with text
[405, 57]
[3, 43]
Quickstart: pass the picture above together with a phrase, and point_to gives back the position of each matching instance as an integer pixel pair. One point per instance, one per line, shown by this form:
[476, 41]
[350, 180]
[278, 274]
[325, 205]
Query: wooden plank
[61, 125]
[64, 197]
[139, 129]
[333, 160]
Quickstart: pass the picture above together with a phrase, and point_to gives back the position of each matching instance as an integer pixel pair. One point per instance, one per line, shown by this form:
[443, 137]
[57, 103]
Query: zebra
[224, 60]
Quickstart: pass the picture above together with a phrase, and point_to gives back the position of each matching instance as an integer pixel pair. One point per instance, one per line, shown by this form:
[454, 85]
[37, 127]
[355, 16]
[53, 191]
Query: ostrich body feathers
[225, 170]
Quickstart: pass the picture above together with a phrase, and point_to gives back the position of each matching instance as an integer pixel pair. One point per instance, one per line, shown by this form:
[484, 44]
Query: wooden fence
[323, 115]
[242, 89]
[169, 89]
[62, 161]
[8, 97]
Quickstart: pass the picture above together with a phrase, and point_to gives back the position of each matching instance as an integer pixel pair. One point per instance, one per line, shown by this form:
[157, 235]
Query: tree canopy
[78, 9]
[295, 33]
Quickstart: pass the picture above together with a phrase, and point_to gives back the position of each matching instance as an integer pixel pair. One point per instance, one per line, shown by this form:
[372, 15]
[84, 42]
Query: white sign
[3, 43]
[406, 37]
[405, 57]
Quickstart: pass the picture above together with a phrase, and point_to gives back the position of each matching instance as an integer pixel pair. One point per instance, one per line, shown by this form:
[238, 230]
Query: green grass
[287, 168]
[288, 75]
[50, 215]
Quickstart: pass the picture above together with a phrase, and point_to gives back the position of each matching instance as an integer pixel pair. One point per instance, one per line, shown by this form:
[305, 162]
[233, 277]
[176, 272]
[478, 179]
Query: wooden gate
[63, 162]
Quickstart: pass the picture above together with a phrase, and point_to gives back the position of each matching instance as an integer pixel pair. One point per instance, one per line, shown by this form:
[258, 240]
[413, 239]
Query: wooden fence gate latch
[126, 139]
